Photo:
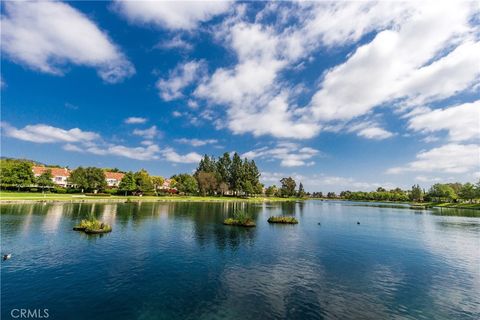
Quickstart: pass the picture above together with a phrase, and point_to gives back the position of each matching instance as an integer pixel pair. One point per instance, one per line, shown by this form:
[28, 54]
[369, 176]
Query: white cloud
[182, 76]
[375, 133]
[172, 156]
[135, 120]
[196, 142]
[150, 152]
[46, 35]
[149, 133]
[42, 133]
[462, 121]
[175, 43]
[289, 154]
[450, 158]
[171, 14]
[399, 62]
[366, 129]
[402, 63]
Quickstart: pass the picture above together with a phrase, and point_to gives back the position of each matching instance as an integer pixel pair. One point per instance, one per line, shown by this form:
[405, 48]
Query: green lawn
[33, 196]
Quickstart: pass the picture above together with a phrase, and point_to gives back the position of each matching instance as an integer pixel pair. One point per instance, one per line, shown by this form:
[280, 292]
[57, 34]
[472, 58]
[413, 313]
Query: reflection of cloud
[53, 217]
[109, 213]
[453, 243]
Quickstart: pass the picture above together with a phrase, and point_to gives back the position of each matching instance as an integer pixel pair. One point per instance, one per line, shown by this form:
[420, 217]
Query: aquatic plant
[240, 219]
[283, 219]
[92, 226]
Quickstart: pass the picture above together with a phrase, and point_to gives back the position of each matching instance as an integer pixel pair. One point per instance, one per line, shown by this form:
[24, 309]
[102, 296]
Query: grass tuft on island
[93, 226]
[240, 219]
[282, 219]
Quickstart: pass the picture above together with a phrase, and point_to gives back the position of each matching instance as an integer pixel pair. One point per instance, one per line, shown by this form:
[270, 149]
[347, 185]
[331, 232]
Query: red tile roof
[114, 175]
[56, 172]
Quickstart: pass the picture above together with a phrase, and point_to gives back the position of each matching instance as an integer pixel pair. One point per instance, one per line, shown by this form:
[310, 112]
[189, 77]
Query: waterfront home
[167, 185]
[60, 175]
[113, 178]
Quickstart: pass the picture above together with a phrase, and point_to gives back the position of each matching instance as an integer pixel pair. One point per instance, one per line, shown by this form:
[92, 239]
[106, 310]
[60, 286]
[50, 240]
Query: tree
[223, 188]
[236, 173]
[128, 183]
[301, 191]
[248, 188]
[143, 181]
[206, 164]
[440, 192]
[90, 178]
[223, 168]
[157, 182]
[78, 178]
[207, 182]
[288, 187]
[331, 195]
[96, 178]
[45, 179]
[467, 192]
[185, 183]
[416, 194]
[271, 191]
[16, 173]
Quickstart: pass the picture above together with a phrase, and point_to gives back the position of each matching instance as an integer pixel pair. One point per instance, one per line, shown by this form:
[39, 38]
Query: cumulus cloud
[461, 121]
[367, 129]
[171, 14]
[150, 152]
[175, 43]
[196, 142]
[182, 76]
[172, 156]
[449, 158]
[149, 133]
[42, 133]
[404, 63]
[135, 120]
[289, 154]
[419, 53]
[47, 35]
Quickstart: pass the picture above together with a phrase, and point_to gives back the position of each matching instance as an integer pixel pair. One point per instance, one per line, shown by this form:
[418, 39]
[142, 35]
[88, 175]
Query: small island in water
[93, 226]
[240, 219]
[282, 219]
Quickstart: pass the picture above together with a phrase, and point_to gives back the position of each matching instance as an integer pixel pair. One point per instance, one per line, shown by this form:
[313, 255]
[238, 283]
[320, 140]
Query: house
[60, 175]
[167, 185]
[113, 178]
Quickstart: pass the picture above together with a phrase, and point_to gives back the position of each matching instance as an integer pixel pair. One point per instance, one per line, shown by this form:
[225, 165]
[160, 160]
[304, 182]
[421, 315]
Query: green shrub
[111, 192]
[59, 190]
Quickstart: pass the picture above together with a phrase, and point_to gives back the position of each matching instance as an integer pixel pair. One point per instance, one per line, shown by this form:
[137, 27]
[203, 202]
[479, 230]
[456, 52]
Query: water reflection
[177, 260]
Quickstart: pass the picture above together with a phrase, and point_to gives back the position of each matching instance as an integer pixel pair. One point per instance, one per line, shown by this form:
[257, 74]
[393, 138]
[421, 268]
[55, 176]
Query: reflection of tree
[208, 219]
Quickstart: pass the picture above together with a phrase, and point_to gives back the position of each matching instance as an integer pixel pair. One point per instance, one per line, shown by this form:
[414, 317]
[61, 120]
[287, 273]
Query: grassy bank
[22, 197]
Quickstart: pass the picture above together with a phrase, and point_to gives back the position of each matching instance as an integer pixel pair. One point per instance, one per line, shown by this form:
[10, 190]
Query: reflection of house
[60, 175]
[113, 178]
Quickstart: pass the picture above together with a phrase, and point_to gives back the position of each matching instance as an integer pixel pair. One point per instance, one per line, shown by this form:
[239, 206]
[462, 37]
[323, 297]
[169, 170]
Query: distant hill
[36, 163]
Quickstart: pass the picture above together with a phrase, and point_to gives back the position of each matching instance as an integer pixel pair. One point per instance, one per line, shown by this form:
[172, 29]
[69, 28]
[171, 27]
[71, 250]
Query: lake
[177, 261]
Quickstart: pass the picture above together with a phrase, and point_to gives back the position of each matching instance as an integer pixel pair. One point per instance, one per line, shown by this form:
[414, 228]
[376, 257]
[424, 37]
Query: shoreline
[146, 199]
[133, 199]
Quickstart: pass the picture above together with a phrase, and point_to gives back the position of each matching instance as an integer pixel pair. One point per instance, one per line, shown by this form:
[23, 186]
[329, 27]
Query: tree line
[439, 192]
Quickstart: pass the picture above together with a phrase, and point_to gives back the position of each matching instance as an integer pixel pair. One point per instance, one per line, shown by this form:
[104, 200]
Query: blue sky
[338, 95]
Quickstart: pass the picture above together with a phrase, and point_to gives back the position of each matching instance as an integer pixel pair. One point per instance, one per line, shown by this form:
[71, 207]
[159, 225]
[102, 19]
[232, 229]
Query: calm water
[177, 261]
